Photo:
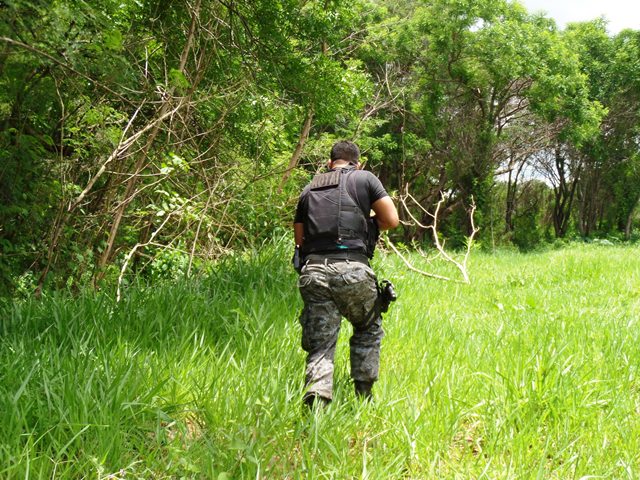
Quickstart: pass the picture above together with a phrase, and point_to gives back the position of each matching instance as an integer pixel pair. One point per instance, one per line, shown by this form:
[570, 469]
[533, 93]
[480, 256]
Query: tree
[472, 77]
[148, 123]
[609, 189]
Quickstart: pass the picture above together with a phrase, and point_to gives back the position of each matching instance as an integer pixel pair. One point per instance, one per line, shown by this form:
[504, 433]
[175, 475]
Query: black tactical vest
[334, 221]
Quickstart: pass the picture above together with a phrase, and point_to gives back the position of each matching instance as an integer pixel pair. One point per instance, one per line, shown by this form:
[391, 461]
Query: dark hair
[345, 150]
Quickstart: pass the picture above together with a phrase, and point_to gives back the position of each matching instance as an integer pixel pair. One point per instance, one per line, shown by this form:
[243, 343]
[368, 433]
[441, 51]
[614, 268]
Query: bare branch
[133, 251]
[410, 266]
[462, 266]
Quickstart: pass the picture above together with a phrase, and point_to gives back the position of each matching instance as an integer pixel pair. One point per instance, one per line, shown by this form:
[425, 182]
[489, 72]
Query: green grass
[529, 372]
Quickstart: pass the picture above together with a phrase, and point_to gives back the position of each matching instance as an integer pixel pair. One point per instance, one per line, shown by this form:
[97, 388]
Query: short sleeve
[376, 189]
[367, 189]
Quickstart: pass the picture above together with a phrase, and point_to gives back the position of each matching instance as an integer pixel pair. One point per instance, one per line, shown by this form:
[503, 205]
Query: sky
[621, 14]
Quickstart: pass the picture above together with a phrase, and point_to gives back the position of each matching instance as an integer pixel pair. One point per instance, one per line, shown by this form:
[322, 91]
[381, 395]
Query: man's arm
[298, 233]
[386, 213]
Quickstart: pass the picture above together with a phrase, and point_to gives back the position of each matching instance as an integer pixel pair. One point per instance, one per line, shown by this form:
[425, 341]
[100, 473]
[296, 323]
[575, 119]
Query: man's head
[346, 151]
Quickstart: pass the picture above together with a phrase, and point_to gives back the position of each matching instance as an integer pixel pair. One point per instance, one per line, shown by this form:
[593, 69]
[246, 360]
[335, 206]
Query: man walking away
[333, 231]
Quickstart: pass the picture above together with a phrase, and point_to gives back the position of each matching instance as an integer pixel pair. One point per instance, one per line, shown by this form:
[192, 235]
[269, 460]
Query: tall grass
[529, 372]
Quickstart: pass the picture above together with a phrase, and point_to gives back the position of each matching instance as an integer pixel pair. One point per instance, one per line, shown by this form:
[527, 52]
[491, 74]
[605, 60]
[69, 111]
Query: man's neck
[341, 164]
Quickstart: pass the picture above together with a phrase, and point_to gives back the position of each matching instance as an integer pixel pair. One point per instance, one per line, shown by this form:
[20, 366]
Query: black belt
[337, 257]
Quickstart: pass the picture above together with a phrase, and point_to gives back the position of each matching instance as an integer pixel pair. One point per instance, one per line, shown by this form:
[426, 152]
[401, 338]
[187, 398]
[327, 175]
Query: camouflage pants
[330, 292]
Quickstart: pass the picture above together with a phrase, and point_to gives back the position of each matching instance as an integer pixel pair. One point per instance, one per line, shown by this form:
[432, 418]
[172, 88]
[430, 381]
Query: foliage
[145, 128]
[533, 205]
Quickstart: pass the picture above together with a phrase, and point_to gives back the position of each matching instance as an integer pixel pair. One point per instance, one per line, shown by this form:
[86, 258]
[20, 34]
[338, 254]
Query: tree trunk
[510, 204]
[628, 227]
[629, 224]
[295, 157]
[588, 202]
[512, 193]
[564, 194]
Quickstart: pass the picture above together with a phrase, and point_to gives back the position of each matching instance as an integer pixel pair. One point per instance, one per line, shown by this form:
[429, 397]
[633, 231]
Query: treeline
[146, 137]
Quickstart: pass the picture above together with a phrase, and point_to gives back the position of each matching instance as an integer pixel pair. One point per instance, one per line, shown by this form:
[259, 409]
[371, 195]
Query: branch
[460, 265]
[64, 65]
[295, 157]
[133, 251]
[410, 266]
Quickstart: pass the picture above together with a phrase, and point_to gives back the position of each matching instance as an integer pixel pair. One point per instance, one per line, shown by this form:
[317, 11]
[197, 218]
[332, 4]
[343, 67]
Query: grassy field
[529, 372]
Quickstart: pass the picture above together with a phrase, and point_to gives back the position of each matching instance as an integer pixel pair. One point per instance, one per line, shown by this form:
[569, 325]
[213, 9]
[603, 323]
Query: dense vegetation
[146, 137]
[141, 139]
[529, 372]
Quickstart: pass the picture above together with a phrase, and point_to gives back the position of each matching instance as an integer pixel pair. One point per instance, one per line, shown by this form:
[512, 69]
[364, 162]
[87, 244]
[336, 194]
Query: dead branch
[410, 266]
[134, 250]
[130, 189]
[122, 147]
[462, 265]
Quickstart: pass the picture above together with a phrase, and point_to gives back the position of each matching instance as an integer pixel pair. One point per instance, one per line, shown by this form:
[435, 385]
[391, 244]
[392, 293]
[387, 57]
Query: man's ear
[329, 164]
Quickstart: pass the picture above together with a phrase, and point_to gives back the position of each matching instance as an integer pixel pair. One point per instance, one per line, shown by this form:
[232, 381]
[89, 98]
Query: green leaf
[113, 40]
[178, 79]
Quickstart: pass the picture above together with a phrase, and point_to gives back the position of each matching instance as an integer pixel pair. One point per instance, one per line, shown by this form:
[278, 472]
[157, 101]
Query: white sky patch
[620, 14]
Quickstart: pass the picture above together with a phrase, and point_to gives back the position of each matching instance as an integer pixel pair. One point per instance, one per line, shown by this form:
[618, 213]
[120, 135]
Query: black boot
[363, 390]
[311, 398]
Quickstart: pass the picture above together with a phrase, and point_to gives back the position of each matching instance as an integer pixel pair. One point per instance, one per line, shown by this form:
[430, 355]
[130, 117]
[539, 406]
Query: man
[331, 229]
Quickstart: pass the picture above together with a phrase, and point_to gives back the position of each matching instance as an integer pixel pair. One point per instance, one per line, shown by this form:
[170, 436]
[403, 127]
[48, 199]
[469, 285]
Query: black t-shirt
[363, 186]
